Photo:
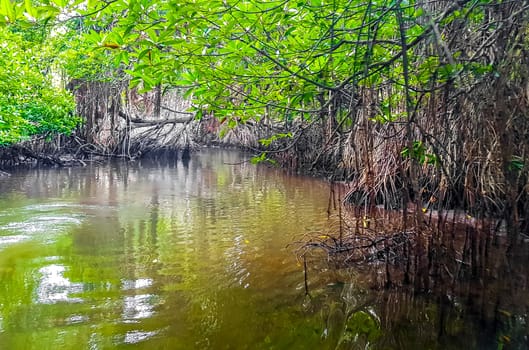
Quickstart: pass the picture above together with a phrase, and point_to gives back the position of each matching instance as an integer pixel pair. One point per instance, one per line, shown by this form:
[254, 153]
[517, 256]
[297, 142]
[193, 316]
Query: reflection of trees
[169, 250]
[16, 286]
[75, 278]
[188, 238]
[454, 322]
[486, 313]
[459, 281]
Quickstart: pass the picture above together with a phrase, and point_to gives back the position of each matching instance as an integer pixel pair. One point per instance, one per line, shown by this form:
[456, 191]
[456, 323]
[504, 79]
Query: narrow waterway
[169, 255]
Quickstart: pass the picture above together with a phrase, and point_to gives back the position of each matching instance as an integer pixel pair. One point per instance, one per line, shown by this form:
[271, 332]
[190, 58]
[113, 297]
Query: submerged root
[434, 248]
[361, 249]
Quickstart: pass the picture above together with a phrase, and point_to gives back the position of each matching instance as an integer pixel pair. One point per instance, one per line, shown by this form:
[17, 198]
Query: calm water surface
[197, 256]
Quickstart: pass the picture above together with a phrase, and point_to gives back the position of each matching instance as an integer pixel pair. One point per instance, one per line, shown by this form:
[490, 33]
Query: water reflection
[148, 254]
[166, 256]
[54, 288]
[236, 266]
[134, 337]
[4, 240]
[136, 284]
[74, 319]
[43, 224]
[136, 307]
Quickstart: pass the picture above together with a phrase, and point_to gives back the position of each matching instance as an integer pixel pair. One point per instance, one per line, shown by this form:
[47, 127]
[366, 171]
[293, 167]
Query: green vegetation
[251, 59]
[421, 106]
[408, 99]
[29, 102]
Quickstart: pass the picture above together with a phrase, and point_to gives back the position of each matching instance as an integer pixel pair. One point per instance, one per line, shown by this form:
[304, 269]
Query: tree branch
[140, 122]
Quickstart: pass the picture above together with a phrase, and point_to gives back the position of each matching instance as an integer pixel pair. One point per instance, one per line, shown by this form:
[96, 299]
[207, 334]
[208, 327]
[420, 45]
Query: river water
[199, 255]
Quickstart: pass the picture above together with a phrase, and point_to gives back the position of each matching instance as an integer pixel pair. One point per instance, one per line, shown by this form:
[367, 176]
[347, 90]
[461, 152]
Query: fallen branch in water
[140, 122]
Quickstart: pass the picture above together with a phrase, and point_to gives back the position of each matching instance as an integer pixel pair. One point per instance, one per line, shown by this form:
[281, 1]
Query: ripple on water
[33, 221]
[137, 307]
[55, 288]
[38, 224]
[134, 337]
[5, 240]
[76, 319]
[52, 207]
[136, 284]
[46, 217]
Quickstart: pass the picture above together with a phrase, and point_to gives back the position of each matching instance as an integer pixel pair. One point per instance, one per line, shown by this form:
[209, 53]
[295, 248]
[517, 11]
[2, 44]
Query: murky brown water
[197, 256]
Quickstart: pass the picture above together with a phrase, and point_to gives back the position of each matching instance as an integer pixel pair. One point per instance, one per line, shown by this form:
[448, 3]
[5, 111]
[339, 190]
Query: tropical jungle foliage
[421, 107]
[30, 104]
[411, 100]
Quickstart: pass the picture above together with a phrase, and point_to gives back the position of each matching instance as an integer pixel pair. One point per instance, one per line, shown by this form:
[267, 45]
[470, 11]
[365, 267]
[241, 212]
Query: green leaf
[259, 159]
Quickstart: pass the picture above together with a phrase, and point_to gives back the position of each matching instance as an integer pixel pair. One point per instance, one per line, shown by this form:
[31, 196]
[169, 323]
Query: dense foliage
[244, 59]
[30, 104]
[421, 106]
[408, 98]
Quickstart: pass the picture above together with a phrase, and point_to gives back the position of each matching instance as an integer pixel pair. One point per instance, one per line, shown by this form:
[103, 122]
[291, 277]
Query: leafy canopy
[291, 59]
[29, 103]
[246, 59]
[243, 59]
